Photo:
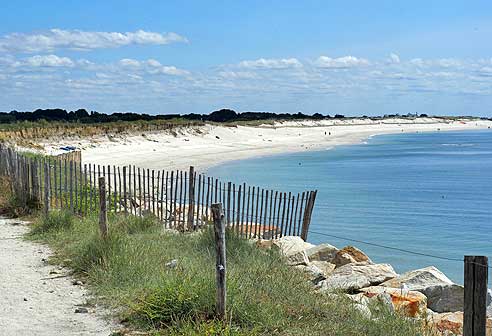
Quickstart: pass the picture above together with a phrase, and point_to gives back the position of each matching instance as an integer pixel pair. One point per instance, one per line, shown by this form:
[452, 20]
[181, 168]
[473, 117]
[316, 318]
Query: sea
[412, 200]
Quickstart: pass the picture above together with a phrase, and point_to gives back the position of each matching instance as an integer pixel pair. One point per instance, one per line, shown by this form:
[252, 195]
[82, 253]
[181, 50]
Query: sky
[163, 57]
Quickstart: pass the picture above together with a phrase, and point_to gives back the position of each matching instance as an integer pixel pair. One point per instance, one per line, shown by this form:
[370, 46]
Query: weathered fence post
[475, 315]
[220, 248]
[191, 198]
[307, 214]
[103, 217]
[34, 182]
[47, 195]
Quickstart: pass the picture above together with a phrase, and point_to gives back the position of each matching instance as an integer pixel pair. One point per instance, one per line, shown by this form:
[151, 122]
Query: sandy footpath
[33, 304]
[209, 145]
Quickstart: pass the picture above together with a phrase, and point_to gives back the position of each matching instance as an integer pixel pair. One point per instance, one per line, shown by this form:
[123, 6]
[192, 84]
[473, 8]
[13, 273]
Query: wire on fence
[393, 248]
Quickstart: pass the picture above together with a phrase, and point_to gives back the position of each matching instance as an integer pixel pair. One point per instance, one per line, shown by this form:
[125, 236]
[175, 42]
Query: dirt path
[33, 304]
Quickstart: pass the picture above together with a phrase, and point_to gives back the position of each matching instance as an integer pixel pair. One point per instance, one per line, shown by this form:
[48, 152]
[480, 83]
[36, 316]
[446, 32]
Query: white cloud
[153, 63]
[441, 62]
[152, 66]
[263, 63]
[82, 40]
[45, 61]
[128, 62]
[417, 61]
[169, 70]
[340, 62]
[394, 58]
[237, 75]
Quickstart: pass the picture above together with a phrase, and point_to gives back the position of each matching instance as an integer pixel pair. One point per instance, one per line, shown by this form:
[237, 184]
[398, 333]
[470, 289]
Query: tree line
[84, 116]
[223, 115]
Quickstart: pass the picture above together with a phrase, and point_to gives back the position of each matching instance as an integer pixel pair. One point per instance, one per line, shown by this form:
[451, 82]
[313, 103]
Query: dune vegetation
[163, 282]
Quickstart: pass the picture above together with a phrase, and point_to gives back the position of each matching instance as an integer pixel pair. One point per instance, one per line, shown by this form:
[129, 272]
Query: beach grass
[133, 273]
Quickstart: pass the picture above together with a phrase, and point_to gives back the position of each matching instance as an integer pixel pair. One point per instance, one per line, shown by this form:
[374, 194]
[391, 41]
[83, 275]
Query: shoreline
[207, 146]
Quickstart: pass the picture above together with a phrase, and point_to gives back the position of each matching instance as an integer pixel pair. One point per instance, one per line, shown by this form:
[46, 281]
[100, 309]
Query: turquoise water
[426, 192]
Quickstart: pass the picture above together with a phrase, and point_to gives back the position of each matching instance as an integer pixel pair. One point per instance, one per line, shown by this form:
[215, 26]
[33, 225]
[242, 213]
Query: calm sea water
[426, 192]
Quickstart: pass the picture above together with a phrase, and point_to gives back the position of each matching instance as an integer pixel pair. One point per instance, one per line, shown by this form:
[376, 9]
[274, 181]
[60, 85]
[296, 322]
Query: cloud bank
[54, 39]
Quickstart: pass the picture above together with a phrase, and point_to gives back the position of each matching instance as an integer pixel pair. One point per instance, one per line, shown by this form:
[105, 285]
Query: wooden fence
[72, 155]
[180, 199]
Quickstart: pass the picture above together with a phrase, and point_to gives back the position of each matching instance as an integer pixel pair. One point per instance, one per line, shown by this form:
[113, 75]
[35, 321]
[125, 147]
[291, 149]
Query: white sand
[210, 145]
[34, 302]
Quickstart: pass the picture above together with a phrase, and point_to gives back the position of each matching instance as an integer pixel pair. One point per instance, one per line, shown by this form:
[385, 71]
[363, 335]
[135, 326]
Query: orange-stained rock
[452, 324]
[349, 254]
[408, 303]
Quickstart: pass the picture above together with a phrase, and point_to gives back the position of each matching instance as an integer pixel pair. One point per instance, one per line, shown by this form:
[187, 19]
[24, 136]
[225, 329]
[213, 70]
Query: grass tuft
[54, 221]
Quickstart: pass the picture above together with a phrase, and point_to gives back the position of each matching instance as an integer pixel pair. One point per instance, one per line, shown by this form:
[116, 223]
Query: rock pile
[425, 293]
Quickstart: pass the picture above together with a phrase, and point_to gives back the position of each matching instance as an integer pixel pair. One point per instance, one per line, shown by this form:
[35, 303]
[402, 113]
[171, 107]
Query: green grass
[265, 297]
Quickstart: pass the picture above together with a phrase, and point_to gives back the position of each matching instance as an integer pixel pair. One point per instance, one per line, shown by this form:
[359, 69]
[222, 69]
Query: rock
[322, 252]
[452, 323]
[293, 248]
[172, 264]
[445, 298]
[489, 303]
[77, 283]
[348, 255]
[359, 298]
[298, 258]
[419, 279]
[264, 244]
[341, 259]
[358, 275]
[408, 303]
[326, 267]
[447, 323]
[363, 309]
[289, 245]
[442, 294]
[313, 273]
[81, 310]
[385, 300]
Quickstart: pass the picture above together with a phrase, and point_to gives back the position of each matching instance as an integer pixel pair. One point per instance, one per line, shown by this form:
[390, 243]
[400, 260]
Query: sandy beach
[209, 145]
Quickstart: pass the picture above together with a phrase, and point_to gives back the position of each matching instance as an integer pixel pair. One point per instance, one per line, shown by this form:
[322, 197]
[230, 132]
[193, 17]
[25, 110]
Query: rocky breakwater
[425, 293]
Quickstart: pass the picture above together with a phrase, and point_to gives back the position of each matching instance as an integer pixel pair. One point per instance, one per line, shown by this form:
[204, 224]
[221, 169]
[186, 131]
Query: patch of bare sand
[39, 299]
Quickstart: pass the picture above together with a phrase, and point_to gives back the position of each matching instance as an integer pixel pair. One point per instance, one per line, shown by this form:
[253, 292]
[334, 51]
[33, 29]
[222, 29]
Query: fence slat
[256, 209]
[191, 198]
[153, 191]
[176, 210]
[199, 200]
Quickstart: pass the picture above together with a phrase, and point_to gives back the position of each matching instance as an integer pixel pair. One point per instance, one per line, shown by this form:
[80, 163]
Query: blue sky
[354, 58]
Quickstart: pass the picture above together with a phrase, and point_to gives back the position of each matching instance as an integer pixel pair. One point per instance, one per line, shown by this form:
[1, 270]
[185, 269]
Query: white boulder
[358, 275]
[294, 249]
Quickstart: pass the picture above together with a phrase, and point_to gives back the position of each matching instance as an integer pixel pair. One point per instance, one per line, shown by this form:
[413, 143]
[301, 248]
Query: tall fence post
[220, 248]
[103, 217]
[191, 198]
[47, 195]
[306, 221]
[475, 314]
